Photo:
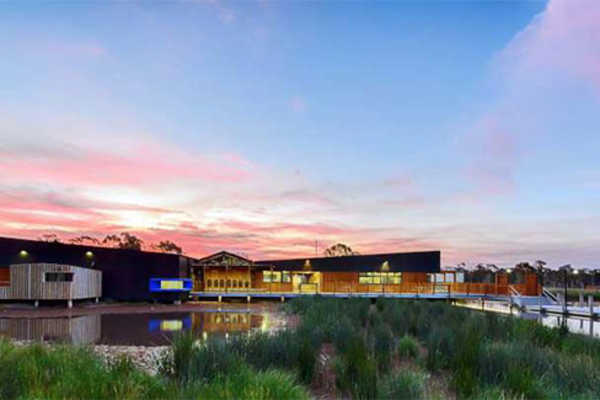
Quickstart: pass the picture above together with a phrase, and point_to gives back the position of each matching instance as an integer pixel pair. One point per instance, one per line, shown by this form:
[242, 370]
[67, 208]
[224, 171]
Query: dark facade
[428, 261]
[125, 273]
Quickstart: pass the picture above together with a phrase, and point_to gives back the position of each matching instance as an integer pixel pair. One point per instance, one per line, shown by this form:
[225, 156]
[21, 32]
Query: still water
[147, 329]
[581, 325]
[157, 329]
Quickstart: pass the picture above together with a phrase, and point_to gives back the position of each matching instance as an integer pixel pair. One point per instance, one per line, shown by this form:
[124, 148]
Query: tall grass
[403, 384]
[65, 372]
[486, 356]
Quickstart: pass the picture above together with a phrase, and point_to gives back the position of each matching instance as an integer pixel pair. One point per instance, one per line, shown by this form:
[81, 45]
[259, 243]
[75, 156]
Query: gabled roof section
[223, 259]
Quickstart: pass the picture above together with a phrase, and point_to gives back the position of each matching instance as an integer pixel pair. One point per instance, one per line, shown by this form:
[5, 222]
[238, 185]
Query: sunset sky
[261, 127]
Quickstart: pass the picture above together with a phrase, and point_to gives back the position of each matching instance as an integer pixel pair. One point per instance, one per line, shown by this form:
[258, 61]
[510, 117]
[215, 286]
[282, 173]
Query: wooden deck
[289, 295]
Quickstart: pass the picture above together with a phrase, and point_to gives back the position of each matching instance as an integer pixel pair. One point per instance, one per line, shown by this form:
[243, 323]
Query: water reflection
[581, 325]
[148, 329]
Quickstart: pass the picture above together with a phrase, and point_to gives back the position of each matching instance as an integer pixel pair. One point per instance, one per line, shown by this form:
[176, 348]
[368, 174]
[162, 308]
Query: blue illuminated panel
[170, 285]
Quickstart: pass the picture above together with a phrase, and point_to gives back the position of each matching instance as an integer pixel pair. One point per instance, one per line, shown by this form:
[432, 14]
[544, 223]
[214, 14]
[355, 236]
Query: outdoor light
[23, 253]
[508, 271]
[576, 271]
[89, 254]
[385, 267]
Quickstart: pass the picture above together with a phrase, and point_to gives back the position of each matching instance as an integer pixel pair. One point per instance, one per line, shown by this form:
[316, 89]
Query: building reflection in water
[147, 329]
[84, 329]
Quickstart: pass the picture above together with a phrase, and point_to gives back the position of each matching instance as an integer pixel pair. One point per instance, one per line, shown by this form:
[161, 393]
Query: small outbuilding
[44, 281]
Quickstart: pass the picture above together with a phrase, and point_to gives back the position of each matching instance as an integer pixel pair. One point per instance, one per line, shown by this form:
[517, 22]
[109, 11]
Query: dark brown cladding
[425, 261]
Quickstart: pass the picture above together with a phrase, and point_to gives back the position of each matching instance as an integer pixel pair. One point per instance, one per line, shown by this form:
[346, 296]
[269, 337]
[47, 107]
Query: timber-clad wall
[27, 282]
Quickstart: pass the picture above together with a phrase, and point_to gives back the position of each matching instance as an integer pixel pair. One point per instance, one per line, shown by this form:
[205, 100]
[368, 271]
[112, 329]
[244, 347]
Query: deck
[248, 295]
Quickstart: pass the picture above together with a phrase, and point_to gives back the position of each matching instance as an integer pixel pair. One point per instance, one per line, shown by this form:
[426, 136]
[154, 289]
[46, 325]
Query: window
[170, 285]
[247, 284]
[240, 284]
[286, 277]
[58, 277]
[228, 283]
[222, 283]
[209, 283]
[271, 276]
[378, 278]
[234, 283]
[267, 276]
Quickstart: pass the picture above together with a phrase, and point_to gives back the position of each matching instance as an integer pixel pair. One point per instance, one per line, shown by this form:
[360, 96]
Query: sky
[278, 128]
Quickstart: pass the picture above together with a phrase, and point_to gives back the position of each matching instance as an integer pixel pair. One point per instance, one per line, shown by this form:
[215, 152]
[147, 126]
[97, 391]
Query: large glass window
[378, 278]
[277, 276]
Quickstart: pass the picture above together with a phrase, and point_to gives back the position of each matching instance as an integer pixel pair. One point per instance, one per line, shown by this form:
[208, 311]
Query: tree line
[124, 240]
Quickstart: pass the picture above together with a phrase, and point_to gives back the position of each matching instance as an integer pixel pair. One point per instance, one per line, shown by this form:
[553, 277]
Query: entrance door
[306, 282]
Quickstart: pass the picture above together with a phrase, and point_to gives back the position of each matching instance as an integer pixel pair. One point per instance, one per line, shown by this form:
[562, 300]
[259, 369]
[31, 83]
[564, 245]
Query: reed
[403, 384]
[407, 347]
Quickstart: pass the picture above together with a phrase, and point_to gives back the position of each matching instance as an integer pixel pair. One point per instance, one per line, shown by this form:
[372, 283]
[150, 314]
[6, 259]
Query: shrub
[246, 383]
[404, 384]
[407, 347]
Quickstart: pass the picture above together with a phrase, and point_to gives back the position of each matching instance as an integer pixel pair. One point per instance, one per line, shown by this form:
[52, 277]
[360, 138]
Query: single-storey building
[43, 281]
[133, 275]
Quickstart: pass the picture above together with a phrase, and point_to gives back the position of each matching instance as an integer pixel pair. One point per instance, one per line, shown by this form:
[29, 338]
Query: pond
[141, 329]
[580, 325]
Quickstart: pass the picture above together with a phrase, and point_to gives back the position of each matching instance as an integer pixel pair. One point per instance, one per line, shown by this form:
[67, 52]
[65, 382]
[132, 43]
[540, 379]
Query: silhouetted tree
[339, 250]
[85, 239]
[50, 237]
[125, 241]
[166, 246]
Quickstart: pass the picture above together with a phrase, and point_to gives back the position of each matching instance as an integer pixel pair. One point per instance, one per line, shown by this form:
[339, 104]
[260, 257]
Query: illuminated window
[169, 285]
[247, 284]
[378, 278]
[234, 283]
[286, 277]
[58, 277]
[228, 283]
[222, 283]
[171, 325]
[240, 284]
[276, 276]
[209, 283]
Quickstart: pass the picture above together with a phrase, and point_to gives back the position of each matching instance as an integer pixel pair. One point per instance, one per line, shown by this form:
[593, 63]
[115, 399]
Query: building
[392, 272]
[125, 273]
[42, 281]
[132, 275]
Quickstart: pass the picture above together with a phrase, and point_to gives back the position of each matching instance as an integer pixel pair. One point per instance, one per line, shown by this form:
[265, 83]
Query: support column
[97, 300]
[591, 306]
[248, 299]
[36, 303]
[220, 298]
[282, 299]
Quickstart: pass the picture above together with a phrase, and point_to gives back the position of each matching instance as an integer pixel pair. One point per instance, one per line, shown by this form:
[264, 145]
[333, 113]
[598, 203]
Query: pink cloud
[563, 39]
[143, 163]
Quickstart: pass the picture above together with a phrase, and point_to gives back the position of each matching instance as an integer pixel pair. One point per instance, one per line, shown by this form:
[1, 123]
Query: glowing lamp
[23, 253]
[508, 271]
[89, 254]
